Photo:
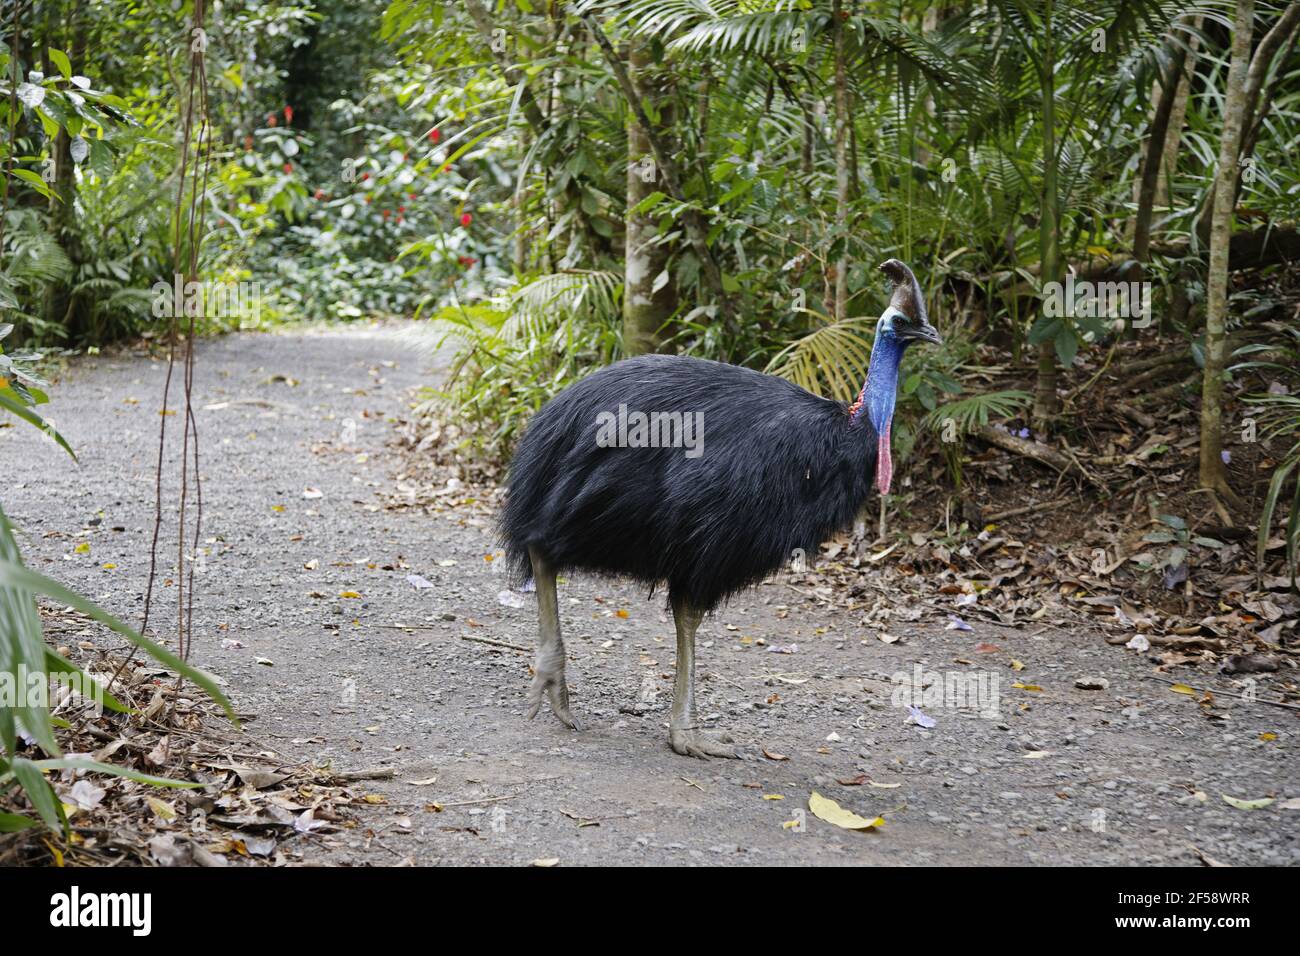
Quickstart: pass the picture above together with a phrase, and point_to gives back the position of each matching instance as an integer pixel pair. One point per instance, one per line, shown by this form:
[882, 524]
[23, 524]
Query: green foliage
[514, 356]
[23, 651]
[1279, 415]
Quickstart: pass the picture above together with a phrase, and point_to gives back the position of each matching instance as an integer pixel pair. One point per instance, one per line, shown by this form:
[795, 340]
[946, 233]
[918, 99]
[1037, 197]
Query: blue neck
[881, 388]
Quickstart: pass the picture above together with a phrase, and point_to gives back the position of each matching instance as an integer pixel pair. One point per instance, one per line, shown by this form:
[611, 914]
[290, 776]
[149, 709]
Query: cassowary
[697, 474]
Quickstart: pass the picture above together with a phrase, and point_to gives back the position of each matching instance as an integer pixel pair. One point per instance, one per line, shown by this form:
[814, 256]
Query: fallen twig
[1027, 509]
[495, 643]
[1025, 446]
[1227, 693]
[350, 776]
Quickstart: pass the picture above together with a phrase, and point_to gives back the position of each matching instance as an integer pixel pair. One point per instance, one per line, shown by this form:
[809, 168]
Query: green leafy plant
[23, 651]
[1173, 563]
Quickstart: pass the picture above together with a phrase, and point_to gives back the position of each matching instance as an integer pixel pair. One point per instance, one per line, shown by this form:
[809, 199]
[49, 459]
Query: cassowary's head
[903, 322]
[905, 318]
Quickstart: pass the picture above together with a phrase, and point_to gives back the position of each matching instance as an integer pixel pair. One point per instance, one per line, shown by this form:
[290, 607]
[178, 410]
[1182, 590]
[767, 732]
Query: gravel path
[1129, 774]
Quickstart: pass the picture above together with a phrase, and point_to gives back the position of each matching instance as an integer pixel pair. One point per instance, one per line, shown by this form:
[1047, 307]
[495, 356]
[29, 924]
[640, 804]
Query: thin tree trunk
[1252, 85]
[645, 309]
[841, 166]
[1174, 134]
[667, 170]
[59, 307]
[1046, 402]
[1154, 153]
[1213, 475]
[532, 112]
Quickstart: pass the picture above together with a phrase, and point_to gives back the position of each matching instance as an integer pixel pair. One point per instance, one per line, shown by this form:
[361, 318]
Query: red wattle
[884, 463]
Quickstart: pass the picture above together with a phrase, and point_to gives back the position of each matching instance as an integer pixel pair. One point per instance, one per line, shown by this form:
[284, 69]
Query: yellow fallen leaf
[1030, 687]
[773, 796]
[546, 862]
[160, 808]
[1268, 735]
[83, 548]
[826, 809]
[620, 613]
[110, 567]
[1183, 689]
[375, 798]
[349, 594]
[1247, 804]
[277, 507]
[1017, 665]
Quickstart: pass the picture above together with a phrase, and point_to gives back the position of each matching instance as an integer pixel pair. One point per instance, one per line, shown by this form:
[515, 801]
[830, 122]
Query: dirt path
[1129, 774]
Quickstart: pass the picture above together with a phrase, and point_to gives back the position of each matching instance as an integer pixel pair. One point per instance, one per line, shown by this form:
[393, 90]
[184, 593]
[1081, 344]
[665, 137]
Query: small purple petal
[1023, 433]
[1226, 456]
[957, 624]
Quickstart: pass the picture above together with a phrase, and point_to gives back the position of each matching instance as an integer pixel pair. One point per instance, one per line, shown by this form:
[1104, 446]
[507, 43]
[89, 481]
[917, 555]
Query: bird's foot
[690, 742]
[549, 683]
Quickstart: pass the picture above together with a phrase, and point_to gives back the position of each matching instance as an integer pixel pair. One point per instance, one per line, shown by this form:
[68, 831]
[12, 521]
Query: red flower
[434, 135]
[364, 177]
[288, 168]
[466, 219]
[400, 219]
[270, 119]
[386, 213]
[412, 195]
[320, 194]
[447, 168]
[401, 209]
[288, 114]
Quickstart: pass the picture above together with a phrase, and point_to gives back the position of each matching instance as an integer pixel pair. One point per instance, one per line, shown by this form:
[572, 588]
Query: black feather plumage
[779, 469]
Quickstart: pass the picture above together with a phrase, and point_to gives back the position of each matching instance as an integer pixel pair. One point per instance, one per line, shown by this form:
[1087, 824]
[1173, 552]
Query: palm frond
[830, 361]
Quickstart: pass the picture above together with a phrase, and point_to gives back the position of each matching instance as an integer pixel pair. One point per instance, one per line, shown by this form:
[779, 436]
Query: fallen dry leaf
[826, 809]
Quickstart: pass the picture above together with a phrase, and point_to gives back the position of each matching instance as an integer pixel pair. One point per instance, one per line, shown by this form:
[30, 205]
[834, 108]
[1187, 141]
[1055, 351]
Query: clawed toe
[696, 743]
[551, 685]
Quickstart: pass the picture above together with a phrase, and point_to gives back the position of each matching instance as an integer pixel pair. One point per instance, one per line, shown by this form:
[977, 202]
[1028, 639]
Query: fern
[830, 361]
[972, 413]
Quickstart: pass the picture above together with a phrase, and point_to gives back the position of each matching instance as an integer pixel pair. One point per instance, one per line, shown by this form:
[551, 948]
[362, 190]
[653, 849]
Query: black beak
[925, 333]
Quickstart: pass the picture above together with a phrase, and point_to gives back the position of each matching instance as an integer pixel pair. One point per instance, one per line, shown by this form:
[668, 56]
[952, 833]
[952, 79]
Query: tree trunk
[59, 309]
[1253, 109]
[841, 166]
[1046, 402]
[1213, 475]
[1154, 154]
[1178, 116]
[666, 168]
[645, 309]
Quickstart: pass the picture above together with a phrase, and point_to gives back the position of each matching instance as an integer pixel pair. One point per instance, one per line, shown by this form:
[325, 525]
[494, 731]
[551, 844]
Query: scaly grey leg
[548, 666]
[683, 734]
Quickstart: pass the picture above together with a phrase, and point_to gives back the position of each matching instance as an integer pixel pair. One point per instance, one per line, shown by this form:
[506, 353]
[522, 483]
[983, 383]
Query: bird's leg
[548, 666]
[683, 734]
